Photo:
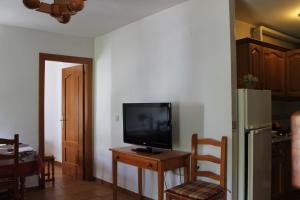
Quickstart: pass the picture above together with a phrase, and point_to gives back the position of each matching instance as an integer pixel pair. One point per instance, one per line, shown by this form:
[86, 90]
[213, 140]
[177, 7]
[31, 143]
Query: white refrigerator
[255, 144]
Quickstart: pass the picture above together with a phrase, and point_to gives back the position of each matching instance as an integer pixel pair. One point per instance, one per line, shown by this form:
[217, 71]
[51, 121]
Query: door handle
[62, 121]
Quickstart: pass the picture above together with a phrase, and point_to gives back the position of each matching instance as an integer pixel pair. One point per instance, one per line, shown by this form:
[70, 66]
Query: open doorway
[268, 62]
[63, 139]
[65, 114]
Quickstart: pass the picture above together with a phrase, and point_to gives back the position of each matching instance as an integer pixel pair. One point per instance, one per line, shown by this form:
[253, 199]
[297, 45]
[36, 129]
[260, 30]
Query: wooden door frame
[87, 108]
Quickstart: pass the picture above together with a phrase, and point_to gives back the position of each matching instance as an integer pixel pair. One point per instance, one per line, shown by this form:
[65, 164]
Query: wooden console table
[168, 160]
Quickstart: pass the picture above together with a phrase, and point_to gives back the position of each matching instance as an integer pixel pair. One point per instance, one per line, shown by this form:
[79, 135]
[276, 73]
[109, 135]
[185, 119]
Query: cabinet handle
[117, 157]
[150, 165]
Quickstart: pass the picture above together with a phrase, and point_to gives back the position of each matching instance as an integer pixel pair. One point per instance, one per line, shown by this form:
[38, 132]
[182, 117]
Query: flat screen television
[148, 124]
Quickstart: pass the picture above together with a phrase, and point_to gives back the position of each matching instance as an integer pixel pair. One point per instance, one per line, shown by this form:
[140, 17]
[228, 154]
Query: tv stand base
[148, 150]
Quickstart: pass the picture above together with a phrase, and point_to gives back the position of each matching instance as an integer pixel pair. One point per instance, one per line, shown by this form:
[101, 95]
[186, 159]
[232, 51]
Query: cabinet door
[249, 61]
[274, 71]
[256, 63]
[278, 177]
[278, 170]
[288, 166]
[293, 73]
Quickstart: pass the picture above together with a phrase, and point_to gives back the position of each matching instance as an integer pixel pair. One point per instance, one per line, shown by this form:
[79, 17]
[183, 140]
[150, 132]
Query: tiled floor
[69, 189]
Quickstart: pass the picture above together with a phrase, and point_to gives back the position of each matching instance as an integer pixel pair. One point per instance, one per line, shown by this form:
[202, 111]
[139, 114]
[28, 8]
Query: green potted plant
[249, 81]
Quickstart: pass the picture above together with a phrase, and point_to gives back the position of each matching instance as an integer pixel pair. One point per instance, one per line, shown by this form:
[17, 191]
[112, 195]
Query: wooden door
[249, 61]
[72, 130]
[293, 73]
[274, 71]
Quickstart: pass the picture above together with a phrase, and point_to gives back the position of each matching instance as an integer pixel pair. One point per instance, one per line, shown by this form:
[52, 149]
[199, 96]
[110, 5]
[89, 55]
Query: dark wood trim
[88, 102]
[261, 43]
[133, 194]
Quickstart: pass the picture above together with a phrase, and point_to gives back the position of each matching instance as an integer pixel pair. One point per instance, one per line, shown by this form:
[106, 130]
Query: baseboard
[57, 163]
[134, 194]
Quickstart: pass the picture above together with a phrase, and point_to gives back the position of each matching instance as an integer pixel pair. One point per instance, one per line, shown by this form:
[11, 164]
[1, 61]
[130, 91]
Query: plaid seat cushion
[199, 190]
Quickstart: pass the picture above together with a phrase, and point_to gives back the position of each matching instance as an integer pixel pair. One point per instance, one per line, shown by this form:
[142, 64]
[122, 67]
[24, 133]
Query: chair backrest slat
[222, 161]
[208, 141]
[209, 174]
[208, 158]
[7, 141]
[7, 156]
[13, 156]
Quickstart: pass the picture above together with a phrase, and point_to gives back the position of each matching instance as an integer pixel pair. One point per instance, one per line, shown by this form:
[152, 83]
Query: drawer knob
[117, 157]
[150, 165]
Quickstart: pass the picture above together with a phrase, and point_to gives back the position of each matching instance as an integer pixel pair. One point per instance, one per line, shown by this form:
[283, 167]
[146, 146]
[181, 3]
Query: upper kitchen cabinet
[249, 61]
[265, 61]
[293, 73]
[274, 71]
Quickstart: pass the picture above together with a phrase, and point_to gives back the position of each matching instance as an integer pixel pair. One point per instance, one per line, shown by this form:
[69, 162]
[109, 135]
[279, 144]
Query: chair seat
[199, 190]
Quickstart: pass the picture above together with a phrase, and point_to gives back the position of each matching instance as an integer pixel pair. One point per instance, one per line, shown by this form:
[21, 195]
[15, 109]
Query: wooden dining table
[29, 163]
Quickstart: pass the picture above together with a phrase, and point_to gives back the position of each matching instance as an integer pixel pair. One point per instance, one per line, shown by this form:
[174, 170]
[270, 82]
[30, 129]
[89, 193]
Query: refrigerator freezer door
[259, 164]
[257, 108]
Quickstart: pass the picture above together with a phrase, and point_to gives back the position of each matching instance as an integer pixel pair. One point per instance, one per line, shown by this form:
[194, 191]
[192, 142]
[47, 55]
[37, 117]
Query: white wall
[19, 67]
[181, 55]
[19, 61]
[243, 29]
[53, 98]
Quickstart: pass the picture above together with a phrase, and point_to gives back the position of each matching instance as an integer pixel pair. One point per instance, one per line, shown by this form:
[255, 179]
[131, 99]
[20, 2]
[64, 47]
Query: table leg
[187, 169]
[22, 187]
[41, 178]
[140, 182]
[115, 179]
[160, 180]
[53, 173]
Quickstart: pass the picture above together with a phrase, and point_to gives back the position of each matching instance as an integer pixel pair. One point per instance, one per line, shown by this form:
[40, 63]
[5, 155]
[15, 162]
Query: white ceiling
[281, 15]
[97, 18]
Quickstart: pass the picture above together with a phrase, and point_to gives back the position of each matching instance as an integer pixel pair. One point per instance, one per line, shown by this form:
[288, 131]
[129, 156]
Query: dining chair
[198, 189]
[9, 171]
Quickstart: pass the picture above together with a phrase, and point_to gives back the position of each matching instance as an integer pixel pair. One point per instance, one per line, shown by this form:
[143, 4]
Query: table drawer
[136, 161]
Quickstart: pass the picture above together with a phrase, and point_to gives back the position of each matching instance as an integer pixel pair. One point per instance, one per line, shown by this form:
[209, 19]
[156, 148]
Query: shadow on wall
[188, 118]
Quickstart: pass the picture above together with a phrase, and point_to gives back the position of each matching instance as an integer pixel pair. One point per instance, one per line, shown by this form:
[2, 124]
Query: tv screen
[148, 124]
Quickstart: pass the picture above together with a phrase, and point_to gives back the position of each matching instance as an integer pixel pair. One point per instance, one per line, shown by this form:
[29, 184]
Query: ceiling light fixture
[62, 10]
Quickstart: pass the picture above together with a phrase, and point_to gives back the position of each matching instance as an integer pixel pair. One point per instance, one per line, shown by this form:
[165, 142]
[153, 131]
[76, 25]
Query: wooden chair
[49, 161]
[202, 190]
[9, 176]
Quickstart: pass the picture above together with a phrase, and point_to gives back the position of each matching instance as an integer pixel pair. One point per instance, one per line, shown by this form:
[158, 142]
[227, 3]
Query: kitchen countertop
[282, 138]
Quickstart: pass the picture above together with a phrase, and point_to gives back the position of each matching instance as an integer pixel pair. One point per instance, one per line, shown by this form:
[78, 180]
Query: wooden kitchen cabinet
[249, 61]
[278, 177]
[281, 170]
[274, 71]
[293, 73]
[265, 61]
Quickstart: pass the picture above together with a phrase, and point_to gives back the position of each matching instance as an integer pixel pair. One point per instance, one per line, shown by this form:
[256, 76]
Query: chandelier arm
[45, 8]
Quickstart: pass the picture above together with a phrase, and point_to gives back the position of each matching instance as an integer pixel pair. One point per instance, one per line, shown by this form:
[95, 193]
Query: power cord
[180, 176]
[166, 186]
